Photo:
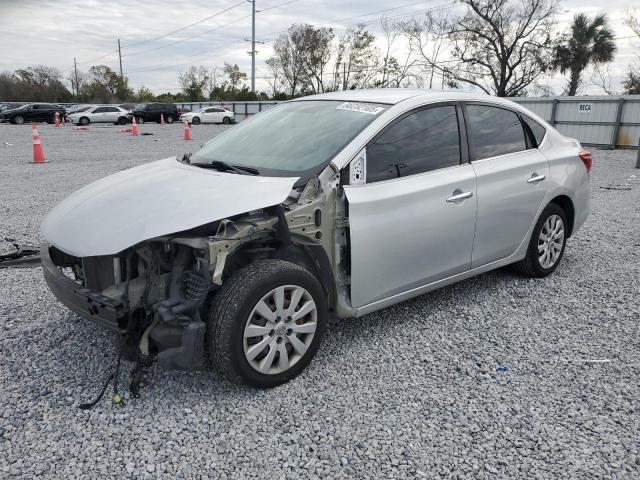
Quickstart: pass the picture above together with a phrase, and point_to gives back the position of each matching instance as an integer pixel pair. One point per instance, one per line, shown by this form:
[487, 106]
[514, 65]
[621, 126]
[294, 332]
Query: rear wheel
[226, 120]
[195, 120]
[266, 323]
[547, 243]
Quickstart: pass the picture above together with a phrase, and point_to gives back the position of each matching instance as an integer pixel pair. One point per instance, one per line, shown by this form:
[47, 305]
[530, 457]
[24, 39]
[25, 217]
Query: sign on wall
[584, 107]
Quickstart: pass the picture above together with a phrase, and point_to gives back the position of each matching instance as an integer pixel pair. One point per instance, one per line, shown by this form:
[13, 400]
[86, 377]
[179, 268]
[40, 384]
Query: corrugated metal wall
[611, 121]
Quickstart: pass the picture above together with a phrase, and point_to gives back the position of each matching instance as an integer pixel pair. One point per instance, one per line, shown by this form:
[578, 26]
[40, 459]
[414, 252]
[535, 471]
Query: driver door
[412, 223]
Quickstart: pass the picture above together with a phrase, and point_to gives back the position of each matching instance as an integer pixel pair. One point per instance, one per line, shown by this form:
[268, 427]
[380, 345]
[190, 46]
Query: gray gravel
[492, 377]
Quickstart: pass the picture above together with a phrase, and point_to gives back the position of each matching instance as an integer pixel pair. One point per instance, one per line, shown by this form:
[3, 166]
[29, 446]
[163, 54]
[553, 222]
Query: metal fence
[609, 121]
[605, 121]
[240, 109]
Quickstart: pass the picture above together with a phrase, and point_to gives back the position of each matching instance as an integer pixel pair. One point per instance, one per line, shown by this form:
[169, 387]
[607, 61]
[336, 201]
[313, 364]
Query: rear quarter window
[537, 130]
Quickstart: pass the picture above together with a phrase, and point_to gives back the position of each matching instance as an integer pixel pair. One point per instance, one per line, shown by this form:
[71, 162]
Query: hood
[151, 200]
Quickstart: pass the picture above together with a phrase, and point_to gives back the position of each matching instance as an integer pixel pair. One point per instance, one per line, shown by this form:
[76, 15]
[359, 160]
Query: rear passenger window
[537, 130]
[495, 131]
[420, 142]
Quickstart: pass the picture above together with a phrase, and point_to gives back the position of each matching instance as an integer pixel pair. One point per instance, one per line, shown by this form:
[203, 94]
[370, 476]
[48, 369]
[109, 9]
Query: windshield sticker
[360, 107]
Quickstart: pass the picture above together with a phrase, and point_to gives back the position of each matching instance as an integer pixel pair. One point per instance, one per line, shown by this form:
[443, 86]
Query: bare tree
[194, 82]
[275, 79]
[427, 41]
[356, 63]
[393, 71]
[601, 77]
[214, 76]
[500, 46]
[632, 20]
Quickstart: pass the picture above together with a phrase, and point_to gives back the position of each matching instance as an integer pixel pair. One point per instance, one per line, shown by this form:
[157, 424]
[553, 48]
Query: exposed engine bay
[154, 294]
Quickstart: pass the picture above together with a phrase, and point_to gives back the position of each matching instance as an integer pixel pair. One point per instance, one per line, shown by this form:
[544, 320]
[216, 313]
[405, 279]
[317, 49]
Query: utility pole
[120, 56]
[75, 69]
[253, 44]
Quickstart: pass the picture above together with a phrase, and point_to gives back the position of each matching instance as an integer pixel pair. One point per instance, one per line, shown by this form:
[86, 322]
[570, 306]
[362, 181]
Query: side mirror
[358, 169]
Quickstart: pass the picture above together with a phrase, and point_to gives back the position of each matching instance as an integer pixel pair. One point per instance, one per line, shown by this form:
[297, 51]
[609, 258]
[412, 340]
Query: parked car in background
[9, 106]
[182, 110]
[100, 114]
[151, 112]
[338, 204]
[209, 115]
[127, 106]
[32, 112]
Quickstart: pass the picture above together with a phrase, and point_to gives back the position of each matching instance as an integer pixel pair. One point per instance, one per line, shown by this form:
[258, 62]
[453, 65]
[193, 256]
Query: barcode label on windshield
[360, 107]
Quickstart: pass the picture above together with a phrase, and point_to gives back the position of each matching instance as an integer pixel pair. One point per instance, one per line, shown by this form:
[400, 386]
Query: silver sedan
[337, 204]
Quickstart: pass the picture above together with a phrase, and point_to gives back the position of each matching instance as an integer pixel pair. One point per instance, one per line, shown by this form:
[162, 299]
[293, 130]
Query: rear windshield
[291, 139]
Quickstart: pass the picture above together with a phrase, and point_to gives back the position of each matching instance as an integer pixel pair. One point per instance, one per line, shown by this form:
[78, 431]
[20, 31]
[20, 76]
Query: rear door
[412, 223]
[512, 180]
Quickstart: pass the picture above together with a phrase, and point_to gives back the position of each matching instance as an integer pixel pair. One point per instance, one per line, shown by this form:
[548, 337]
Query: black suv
[32, 112]
[150, 112]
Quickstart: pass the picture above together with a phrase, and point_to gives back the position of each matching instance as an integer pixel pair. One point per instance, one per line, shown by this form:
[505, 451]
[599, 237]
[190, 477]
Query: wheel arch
[311, 257]
[564, 202]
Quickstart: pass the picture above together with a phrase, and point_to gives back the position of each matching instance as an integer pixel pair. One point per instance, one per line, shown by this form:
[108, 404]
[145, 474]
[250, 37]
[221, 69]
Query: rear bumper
[95, 307]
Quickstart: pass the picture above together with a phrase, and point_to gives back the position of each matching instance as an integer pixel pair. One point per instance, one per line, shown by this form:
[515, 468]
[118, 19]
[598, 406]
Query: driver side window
[424, 140]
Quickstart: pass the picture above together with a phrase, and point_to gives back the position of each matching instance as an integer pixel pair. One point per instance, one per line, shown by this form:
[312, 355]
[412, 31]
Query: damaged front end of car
[154, 295]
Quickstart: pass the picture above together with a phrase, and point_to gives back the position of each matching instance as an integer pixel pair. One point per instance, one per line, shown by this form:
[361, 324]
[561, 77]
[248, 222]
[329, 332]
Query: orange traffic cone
[38, 154]
[57, 120]
[162, 119]
[134, 127]
[187, 131]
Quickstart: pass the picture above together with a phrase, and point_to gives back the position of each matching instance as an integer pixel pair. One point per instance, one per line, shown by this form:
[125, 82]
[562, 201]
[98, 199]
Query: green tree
[235, 76]
[194, 82]
[589, 42]
[632, 83]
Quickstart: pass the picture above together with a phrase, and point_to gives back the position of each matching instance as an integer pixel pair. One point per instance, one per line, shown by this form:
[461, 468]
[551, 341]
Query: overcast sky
[156, 46]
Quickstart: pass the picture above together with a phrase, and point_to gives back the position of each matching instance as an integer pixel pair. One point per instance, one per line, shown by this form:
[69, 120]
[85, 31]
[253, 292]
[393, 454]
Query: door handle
[459, 196]
[536, 178]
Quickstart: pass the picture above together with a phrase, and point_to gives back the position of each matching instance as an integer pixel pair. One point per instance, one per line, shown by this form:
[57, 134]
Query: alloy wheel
[280, 329]
[550, 241]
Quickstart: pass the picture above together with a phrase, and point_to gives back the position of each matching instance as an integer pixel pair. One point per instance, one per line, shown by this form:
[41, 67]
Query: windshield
[294, 138]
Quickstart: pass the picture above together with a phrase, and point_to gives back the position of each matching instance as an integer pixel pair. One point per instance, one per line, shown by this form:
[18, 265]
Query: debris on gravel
[497, 376]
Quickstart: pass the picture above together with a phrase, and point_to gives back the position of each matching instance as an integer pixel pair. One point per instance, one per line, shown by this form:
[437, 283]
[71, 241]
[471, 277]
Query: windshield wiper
[224, 166]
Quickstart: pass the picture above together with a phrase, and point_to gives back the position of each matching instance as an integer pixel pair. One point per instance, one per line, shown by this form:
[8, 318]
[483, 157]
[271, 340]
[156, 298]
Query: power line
[131, 45]
[209, 30]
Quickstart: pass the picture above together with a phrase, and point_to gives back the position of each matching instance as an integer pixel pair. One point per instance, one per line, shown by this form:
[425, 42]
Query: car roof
[393, 96]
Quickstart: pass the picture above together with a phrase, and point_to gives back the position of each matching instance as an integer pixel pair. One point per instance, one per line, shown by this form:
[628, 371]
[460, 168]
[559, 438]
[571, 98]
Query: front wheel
[547, 243]
[139, 120]
[195, 120]
[18, 119]
[170, 119]
[84, 121]
[266, 323]
[122, 121]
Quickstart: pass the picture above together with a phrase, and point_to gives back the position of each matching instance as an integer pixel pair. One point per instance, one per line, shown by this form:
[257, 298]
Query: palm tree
[590, 42]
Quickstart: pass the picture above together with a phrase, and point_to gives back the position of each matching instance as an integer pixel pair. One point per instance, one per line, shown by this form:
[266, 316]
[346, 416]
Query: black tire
[170, 119]
[226, 120]
[139, 120]
[232, 305]
[18, 120]
[84, 121]
[530, 265]
[122, 121]
[195, 120]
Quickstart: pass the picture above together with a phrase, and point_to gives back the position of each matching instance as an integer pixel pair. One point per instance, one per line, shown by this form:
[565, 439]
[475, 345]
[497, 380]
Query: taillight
[586, 159]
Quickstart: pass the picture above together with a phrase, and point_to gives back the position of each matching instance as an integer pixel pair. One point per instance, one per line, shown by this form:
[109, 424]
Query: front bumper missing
[95, 307]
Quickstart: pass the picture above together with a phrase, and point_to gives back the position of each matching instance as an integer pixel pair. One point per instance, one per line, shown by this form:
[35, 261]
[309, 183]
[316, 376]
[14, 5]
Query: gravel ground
[492, 377]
